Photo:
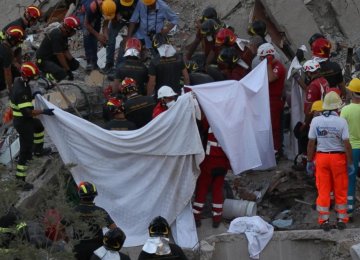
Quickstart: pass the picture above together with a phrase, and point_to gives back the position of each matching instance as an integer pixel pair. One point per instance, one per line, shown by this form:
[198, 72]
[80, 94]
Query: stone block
[355, 252]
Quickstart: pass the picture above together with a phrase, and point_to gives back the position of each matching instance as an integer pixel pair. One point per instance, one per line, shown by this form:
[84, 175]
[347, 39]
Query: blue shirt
[152, 20]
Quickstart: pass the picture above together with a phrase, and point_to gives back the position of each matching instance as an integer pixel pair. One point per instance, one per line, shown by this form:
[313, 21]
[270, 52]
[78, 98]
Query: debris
[283, 220]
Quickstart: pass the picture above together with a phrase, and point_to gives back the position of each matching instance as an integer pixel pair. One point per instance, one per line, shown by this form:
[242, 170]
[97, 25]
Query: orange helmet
[29, 70]
[15, 35]
[225, 36]
[133, 43]
[32, 13]
[115, 105]
[128, 85]
[72, 22]
[321, 48]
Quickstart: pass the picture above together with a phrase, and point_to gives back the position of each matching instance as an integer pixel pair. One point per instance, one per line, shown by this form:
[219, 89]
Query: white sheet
[139, 174]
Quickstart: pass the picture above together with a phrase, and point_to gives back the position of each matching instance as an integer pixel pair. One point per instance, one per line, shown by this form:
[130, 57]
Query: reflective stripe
[340, 207]
[324, 209]
[39, 141]
[216, 213]
[21, 174]
[84, 189]
[217, 206]
[350, 197]
[18, 114]
[196, 211]
[25, 104]
[350, 206]
[21, 167]
[324, 216]
[211, 143]
[6, 230]
[41, 134]
[21, 225]
[342, 216]
[197, 204]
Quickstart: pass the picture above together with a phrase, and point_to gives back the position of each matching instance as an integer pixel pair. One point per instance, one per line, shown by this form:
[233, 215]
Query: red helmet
[107, 92]
[128, 85]
[133, 43]
[15, 35]
[29, 70]
[32, 13]
[115, 105]
[321, 48]
[72, 22]
[225, 36]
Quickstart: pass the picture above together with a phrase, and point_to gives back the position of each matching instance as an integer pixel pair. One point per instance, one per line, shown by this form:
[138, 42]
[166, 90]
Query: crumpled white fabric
[139, 174]
[239, 114]
[157, 245]
[105, 254]
[132, 52]
[166, 50]
[258, 233]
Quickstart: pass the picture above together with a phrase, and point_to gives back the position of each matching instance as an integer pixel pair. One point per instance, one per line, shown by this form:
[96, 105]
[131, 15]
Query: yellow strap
[41, 134]
[25, 104]
[39, 141]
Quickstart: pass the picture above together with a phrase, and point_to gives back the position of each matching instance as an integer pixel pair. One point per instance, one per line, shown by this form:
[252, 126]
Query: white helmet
[311, 66]
[265, 49]
[166, 91]
[332, 101]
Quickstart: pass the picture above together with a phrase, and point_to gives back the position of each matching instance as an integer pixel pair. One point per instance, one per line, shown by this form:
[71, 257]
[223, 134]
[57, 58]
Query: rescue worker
[30, 129]
[213, 170]
[231, 65]
[118, 122]
[167, 68]
[91, 237]
[276, 76]
[124, 11]
[167, 98]
[317, 88]
[197, 76]
[133, 67]
[330, 70]
[31, 16]
[333, 157]
[96, 30]
[151, 17]
[14, 35]
[53, 56]
[158, 245]
[258, 27]
[351, 113]
[112, 243]
[138, 108]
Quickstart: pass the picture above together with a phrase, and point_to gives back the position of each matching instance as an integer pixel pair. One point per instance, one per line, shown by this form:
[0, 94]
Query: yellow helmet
[108, 9]
[126, 2]
[317, 106]
[332, 101]
[148, 2]
[354, 85]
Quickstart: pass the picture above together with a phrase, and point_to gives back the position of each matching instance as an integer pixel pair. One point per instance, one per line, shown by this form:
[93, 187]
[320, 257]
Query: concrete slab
[355, 252]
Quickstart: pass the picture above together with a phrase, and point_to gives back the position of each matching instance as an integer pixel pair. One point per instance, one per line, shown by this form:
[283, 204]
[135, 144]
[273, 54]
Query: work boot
[325, 226]
[43, 152]
[23, 185]
[340, 225]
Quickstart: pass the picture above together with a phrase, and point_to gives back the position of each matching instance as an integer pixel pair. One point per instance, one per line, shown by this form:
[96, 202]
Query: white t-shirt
[330, 133]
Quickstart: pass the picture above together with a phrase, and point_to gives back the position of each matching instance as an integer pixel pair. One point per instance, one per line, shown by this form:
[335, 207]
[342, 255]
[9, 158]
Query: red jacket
[159, 108]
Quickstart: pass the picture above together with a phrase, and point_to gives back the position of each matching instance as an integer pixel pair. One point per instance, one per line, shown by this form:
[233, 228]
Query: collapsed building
[279, 194]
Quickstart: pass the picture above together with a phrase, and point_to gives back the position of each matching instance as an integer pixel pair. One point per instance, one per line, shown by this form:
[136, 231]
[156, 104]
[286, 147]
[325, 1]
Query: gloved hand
[310, 168]
[300, 55]
[270, 58]
[70, 75]
[48, 112]
[351, 169]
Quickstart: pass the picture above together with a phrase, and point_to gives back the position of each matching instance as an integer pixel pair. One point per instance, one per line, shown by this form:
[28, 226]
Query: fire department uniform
[213, 171]
[331, 164]
[31, 130]
[316, 90]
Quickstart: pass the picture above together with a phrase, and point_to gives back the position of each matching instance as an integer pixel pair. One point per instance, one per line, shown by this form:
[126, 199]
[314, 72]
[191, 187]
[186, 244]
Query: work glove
[351, 169]
[48, 112]
[70, 75]
[300, 55]
[310, 168]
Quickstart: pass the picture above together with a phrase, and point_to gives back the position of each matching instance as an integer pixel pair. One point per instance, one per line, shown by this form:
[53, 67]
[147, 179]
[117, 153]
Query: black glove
[70, 75]
[48, 112]
[300, 55]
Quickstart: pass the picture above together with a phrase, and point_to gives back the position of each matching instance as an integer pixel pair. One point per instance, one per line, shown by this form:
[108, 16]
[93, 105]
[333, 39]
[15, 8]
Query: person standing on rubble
[124, 11]
[158, 245]
[118, 122]
[138, 108]
[53, 56]
[276, 76]
[231, 65]
[333, 160]
[90, 235]
[30, 129]
[133, 67]
[150, 17]
[351, 113]
[167, 68]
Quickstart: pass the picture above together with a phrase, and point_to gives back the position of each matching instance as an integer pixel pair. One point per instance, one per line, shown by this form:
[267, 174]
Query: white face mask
[132, 52]
[209, 38]
[166, 50]
[170, 104]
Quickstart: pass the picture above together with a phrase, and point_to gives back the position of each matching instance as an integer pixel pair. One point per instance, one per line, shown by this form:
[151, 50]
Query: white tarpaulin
[139, 174]
[239, 115]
